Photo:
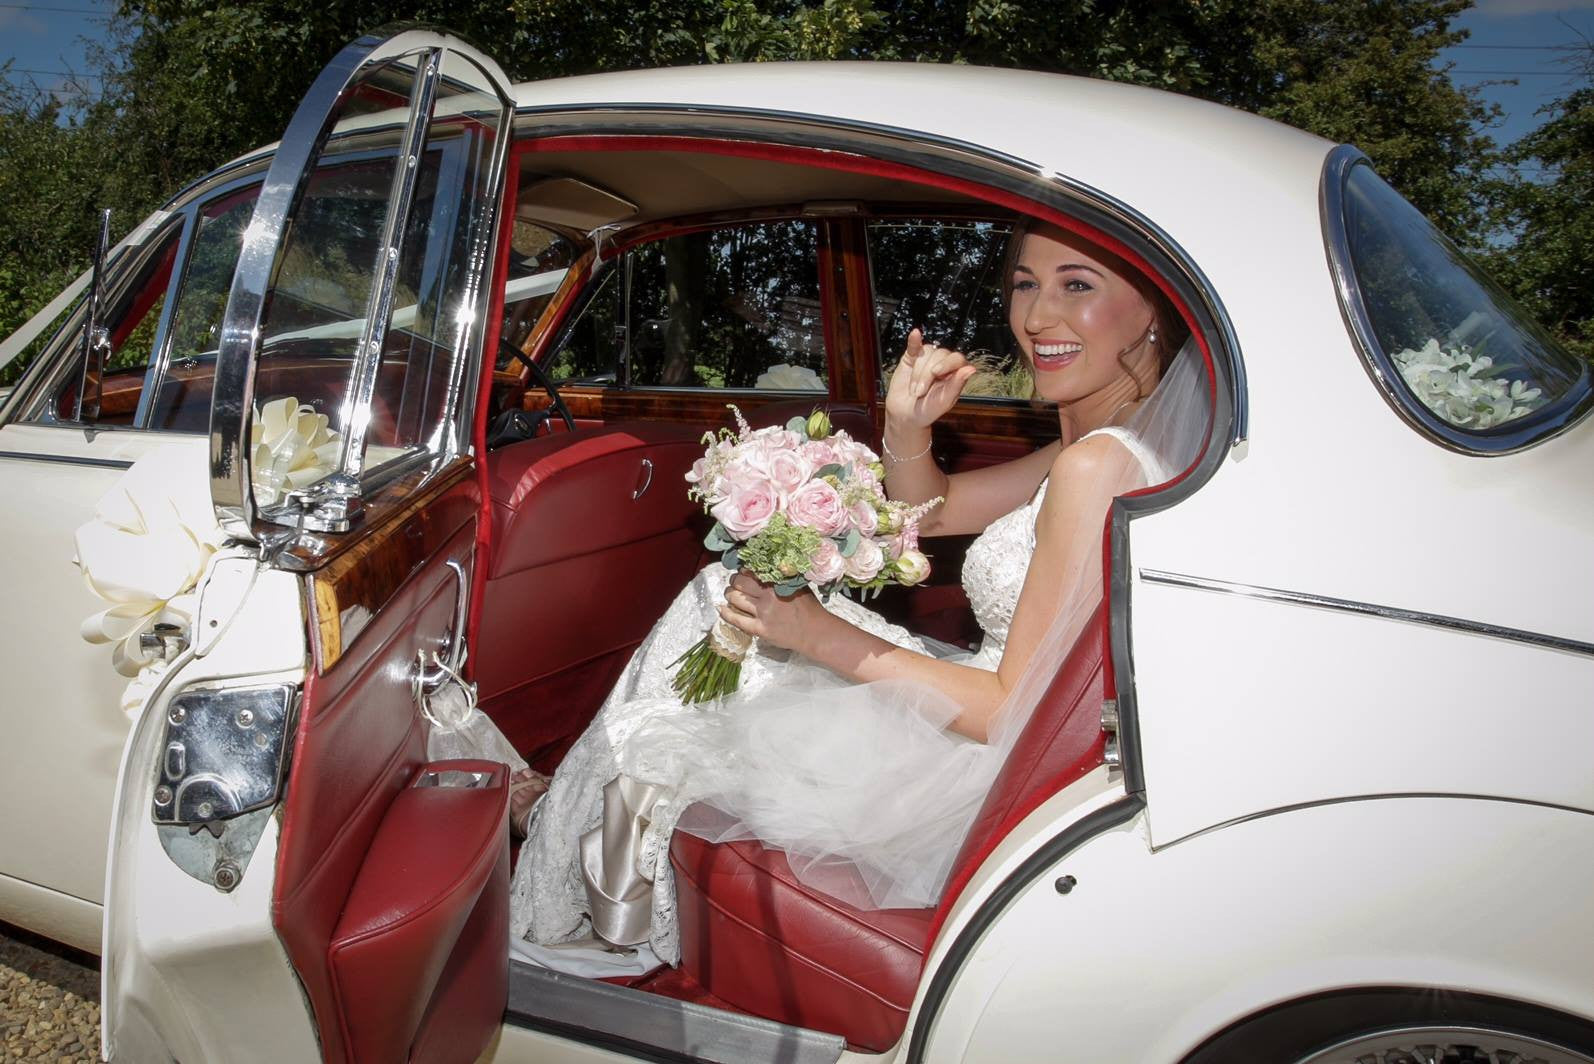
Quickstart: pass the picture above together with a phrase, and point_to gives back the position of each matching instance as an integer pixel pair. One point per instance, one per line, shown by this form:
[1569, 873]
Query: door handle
[646, 477]
[429, 678]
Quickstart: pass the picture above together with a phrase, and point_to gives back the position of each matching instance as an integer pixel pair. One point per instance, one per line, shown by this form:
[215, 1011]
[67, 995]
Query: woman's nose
[1041, 315]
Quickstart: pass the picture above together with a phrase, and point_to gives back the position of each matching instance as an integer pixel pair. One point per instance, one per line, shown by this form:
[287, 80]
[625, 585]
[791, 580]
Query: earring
[1151, 337]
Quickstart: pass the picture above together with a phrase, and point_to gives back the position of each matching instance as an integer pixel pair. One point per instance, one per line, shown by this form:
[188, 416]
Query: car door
[289, 876]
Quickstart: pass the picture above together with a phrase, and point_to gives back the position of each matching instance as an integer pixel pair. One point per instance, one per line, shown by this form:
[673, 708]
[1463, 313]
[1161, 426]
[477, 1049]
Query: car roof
[1129, 140]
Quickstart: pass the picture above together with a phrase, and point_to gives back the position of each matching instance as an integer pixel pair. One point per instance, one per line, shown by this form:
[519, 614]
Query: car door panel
[361, 744]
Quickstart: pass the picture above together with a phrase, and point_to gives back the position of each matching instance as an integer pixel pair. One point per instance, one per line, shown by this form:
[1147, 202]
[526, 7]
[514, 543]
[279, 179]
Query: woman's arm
[926, 384]
[1084, 480]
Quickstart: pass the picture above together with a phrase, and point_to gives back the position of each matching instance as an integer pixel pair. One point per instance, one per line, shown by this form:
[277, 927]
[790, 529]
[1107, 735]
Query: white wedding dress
[861, 784]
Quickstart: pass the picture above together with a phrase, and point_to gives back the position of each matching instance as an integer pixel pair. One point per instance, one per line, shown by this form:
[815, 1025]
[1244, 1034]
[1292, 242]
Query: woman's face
[1078, 320]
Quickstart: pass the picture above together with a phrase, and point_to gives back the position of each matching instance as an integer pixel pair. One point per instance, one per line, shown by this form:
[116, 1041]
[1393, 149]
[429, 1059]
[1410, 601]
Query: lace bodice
[993, 573]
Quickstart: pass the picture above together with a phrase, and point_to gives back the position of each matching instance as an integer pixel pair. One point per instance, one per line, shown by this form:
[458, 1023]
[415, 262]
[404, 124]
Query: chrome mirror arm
[96, 339]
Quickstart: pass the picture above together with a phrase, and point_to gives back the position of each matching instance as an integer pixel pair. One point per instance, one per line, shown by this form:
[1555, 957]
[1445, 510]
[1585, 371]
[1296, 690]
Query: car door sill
[656, 1027]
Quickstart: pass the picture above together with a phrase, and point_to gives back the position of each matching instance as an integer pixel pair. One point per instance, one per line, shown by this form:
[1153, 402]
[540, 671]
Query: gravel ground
[49, 1000]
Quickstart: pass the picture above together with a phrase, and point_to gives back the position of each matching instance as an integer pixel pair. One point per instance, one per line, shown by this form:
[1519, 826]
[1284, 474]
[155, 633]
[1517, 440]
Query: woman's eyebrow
[1021, 268]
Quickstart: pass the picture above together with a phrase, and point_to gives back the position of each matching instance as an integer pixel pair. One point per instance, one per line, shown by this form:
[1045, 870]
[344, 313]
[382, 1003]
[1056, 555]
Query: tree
[1549, 262]
[187, 86]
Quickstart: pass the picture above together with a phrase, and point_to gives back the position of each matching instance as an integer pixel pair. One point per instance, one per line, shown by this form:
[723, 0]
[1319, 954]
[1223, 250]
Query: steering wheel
[544, 381]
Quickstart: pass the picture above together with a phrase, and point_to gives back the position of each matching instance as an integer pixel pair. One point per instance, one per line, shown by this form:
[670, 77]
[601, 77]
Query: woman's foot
[525, 788]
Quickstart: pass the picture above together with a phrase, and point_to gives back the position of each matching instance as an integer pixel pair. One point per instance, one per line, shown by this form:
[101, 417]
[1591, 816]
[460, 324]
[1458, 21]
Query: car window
[181, 400]
[733, 308]
[945, 277]
[539, 258]
[1453, 348]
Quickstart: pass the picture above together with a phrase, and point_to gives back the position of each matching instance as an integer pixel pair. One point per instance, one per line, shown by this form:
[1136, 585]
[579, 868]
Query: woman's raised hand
[926, 384]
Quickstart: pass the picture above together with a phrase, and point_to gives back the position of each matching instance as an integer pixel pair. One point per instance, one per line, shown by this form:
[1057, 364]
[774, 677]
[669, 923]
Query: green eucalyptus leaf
[849, 544]
[732, 559]
[798, 425]
[718, 538]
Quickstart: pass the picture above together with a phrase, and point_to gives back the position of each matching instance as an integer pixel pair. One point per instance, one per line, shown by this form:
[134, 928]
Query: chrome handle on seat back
[646, 478]
[429, 679]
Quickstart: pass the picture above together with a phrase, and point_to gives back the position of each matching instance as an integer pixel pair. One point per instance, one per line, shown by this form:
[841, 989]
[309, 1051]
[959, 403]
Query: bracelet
[897, 459]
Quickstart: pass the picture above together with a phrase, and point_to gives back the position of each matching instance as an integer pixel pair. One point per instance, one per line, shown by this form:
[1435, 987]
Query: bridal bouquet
[794, 506]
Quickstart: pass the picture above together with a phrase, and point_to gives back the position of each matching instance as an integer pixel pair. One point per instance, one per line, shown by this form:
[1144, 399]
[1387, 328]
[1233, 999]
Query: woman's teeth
[1058, 350]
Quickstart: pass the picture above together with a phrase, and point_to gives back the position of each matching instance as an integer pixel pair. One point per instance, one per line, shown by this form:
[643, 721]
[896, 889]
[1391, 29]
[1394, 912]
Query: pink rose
[864, 516]
[865, 561]
[820, 454]
[788, 471]
[818, 506]
[827, 564]
[748, 505]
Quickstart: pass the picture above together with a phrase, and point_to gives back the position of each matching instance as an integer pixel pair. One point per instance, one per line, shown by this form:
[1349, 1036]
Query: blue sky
[1512, 36]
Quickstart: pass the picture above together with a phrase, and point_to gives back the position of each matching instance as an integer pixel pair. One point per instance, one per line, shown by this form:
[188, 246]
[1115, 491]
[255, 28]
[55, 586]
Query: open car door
[290, 878]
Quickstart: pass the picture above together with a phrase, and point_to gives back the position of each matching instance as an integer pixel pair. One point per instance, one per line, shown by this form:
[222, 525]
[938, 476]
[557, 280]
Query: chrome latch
[164, 641]
[1109, 724]
[219, 774]
[329, 505]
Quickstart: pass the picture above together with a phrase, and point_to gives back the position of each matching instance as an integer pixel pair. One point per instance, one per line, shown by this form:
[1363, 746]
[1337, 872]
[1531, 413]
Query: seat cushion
[755, 937]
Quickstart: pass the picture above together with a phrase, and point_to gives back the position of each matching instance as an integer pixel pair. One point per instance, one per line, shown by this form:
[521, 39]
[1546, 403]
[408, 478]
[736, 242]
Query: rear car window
[1452, 351]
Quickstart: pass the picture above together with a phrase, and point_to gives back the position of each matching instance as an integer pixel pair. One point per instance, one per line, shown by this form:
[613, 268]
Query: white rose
[912, 567]
[785, 377]
[866, 561]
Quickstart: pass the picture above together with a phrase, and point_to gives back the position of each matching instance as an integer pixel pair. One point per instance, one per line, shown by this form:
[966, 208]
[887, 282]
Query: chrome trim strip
[67, 459]
[1382, 796]
[379, 307]
[1368, 609]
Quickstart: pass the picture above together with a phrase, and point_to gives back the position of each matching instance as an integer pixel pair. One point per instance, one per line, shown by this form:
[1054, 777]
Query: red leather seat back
[593, 536]
[1062, 741]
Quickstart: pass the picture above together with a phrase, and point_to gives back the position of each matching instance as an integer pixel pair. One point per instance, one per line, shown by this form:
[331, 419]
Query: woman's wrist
[901, 444]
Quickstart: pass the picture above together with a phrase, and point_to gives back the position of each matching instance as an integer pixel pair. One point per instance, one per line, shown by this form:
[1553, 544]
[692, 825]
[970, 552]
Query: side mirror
[96, 338]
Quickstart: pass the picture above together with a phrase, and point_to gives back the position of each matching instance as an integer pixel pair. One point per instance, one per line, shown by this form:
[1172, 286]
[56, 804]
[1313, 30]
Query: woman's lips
[1052, 355]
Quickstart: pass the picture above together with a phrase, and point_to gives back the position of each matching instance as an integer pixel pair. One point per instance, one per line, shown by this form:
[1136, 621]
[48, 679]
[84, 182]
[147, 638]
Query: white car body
[1352, 764]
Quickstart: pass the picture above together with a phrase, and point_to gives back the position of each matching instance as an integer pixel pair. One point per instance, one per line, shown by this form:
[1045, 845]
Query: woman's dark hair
[1171, 328]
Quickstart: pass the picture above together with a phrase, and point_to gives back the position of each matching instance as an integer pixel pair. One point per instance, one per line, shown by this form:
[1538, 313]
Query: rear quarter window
[1455, 356]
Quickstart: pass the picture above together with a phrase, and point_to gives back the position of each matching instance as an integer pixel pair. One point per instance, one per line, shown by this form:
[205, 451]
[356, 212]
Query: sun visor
[572, 204]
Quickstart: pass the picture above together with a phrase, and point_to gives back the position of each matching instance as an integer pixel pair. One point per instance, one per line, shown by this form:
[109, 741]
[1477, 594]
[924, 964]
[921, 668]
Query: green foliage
[191, 83]
[1549, 265]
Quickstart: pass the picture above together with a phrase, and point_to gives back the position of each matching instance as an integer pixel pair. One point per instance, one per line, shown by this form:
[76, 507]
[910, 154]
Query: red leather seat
[592, 537]
[763, 942]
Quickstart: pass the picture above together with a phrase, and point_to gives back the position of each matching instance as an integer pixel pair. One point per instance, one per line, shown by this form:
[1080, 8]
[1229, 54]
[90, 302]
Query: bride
[863, 750]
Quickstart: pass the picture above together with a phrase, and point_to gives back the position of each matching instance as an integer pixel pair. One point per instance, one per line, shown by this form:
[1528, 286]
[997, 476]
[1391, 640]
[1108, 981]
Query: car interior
[586, 518]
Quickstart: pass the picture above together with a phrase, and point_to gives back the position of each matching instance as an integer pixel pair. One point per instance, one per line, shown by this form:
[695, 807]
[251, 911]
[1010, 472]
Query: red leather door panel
[377, 945]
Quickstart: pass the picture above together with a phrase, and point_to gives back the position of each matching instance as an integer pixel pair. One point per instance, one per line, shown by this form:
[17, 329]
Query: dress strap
[1150, 465]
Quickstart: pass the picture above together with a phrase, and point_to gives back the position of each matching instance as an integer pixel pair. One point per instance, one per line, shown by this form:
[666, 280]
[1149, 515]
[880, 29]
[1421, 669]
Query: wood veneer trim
[371, 570]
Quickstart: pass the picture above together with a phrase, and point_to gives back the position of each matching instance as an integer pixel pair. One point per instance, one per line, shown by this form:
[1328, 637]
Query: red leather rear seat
[756, 938]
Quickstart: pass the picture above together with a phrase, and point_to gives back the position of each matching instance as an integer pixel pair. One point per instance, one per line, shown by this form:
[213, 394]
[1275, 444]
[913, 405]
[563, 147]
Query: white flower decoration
[151, 537]
[290, 447]
[1465, 389]
[789, 378]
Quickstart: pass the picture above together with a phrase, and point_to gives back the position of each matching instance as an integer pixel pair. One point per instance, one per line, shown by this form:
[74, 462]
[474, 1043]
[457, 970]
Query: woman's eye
[1025, 285]
[1076, 285]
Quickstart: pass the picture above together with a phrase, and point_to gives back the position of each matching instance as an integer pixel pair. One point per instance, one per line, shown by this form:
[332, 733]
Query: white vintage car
[1313, 786]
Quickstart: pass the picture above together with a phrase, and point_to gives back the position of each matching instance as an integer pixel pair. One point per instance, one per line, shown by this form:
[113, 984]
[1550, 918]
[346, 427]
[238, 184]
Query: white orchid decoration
[290, 447]
[1463, 388]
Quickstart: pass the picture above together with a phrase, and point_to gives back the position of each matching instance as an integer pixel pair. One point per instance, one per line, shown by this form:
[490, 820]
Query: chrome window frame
[232, 494]
[1554, 419]
[29, 402]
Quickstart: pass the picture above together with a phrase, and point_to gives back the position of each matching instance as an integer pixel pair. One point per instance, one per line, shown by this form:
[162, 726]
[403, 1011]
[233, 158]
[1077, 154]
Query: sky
[1511, 40]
